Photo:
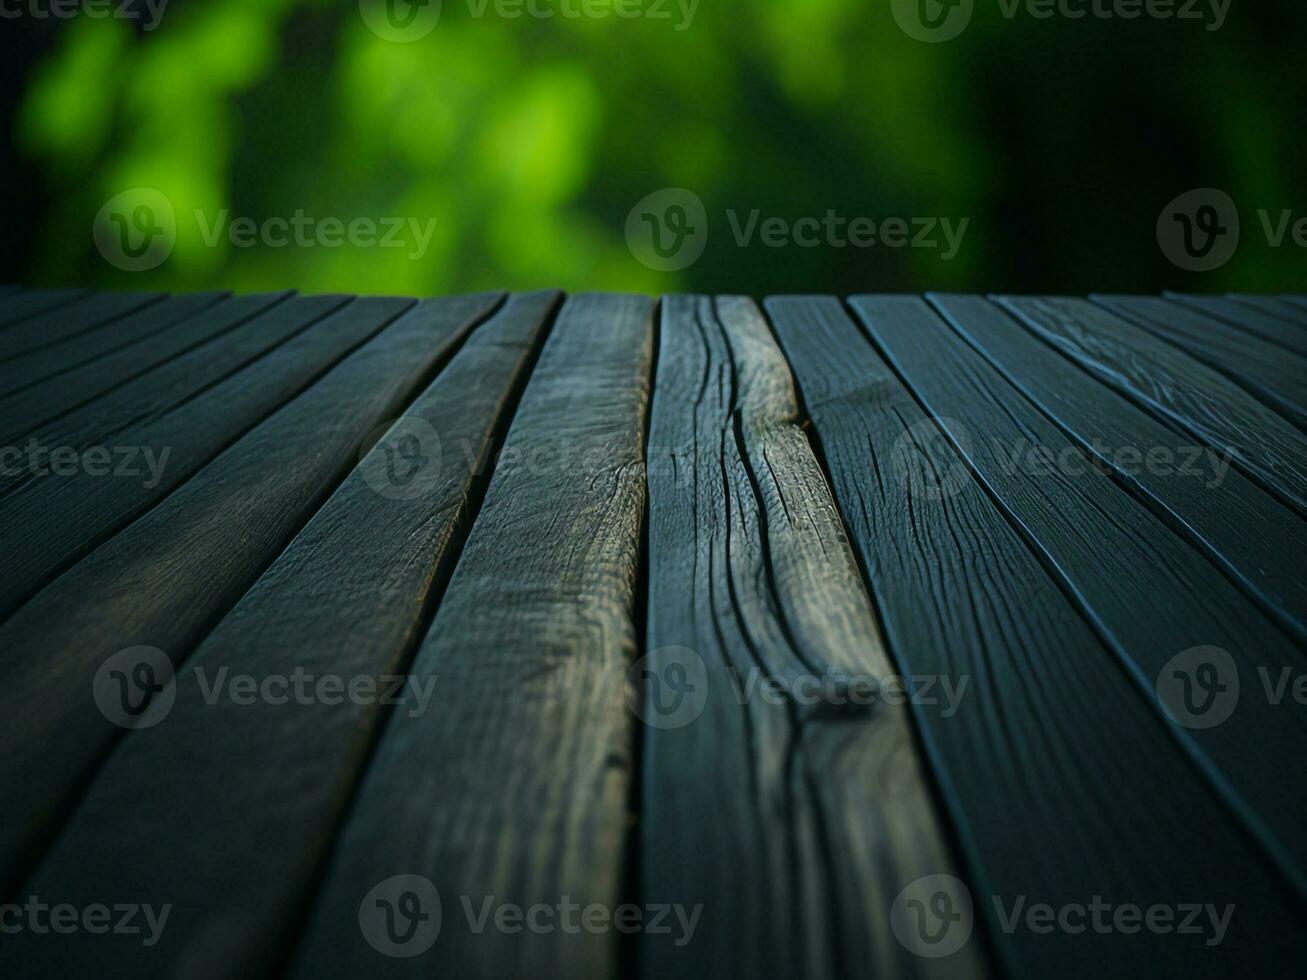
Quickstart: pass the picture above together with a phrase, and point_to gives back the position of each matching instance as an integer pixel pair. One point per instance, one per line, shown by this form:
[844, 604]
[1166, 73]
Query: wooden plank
[819, 800]
[47, 526]
[204, 546]
[1115, 559]
[527, 757]
[1172, 384]
[1263, 325]
[1273, 305]
[99, 310]
[32, 302]
[1246, 531]
[1276, 376]
[1050, 726]
[99, 346]
[261, 326]
[346, 599]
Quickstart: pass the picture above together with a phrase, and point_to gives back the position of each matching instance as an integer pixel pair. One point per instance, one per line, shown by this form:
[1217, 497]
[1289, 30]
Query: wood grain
[51, 327]
[1275, 375]
[27, 303]
[139, 330]
[1274, 305]
[348, 598]
[1234, 522]
[527, 753]
[92, 402]
[806, 799]
[48, 525]
[1049, 723]
[1114, 558]
[1263, 324]
[1170, 383]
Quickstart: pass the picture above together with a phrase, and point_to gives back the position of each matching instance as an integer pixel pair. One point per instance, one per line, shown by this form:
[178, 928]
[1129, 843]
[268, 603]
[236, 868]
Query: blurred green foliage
[529, 140]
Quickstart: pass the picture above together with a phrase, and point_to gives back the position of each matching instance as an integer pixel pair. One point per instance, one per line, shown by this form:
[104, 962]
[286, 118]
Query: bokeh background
[530, 140]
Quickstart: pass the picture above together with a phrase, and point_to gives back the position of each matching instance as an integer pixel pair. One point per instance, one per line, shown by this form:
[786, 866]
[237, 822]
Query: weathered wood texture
[25, 303]
[1167, 381]
[1239, 526]
[57, 519]
[1267, 323]
[1277, 306]
[95, 400]
[1275, 375]
[1047, 717]
[809, 803]
[527, 754]
[1274, 305]
[1113, 557]
[168, 578]
[46, 329]
[875, 648]
[139, 329]
[347, 599]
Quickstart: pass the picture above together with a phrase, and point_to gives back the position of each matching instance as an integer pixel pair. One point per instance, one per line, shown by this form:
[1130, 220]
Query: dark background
[530, 140]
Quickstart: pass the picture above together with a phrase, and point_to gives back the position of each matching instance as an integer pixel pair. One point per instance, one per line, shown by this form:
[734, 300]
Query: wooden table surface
[532, 635]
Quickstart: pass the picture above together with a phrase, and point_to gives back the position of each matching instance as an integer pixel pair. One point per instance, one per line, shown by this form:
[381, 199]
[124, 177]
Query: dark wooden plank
[261, 325]
[818, 801]
[1277, 376]
[32, 302]
[1257, 540]
[346, 597]
[98, 346]
[527, 757]
[97, 311]
[1174, 385]
[1273, 305]
[47, 526]
[1150, 594]
[1265, 326]
[1050, 727]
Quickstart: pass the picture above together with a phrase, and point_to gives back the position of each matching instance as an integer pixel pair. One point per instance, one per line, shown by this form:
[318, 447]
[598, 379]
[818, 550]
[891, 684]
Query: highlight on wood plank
[598, 635]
